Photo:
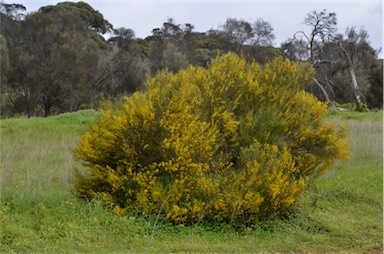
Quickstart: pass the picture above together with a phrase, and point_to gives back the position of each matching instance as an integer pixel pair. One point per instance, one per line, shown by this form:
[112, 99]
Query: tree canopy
[67, 56]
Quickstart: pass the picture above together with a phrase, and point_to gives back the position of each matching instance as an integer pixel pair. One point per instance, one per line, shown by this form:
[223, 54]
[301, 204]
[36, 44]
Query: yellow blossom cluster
[234, 142]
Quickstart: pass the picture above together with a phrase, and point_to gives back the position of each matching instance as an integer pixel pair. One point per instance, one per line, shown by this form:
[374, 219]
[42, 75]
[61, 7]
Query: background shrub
[235, 142]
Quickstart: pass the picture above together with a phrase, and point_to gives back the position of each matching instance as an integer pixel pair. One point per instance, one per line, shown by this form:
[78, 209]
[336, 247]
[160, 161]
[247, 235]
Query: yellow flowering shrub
[235, 142]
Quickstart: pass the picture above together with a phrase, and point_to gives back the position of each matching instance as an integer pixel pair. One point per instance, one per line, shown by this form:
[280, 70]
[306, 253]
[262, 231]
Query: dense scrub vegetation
[60, 59]
[234, 142]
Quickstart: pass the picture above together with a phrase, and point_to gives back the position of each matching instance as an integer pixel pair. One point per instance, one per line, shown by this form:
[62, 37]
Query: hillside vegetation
[341, 212]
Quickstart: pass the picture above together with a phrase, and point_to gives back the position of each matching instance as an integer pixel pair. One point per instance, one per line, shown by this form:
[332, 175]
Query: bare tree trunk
[324, 92]
[355, 87]
[351, 68]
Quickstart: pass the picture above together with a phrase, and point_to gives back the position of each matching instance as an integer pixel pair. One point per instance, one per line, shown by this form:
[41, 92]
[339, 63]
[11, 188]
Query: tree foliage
[92, 19]
[57, 59]
[235, 142]
[57, 51]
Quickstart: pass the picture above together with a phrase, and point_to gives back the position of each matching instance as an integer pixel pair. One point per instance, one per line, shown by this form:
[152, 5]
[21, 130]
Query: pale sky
[285, 16]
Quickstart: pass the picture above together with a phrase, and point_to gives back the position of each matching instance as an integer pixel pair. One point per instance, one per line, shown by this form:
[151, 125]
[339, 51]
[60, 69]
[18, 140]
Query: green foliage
[92, 19]
[233, 142]
[363, 108]
[375, 95]
[172, 59]
[4, 61]
[57, 49]
[67, 64]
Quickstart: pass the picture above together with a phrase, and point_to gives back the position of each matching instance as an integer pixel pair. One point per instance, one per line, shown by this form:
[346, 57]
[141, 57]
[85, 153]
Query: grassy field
[342, 212]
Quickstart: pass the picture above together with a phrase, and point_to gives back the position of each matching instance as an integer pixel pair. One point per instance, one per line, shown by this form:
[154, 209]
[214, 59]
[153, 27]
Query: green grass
[341, 212]
[353, 115]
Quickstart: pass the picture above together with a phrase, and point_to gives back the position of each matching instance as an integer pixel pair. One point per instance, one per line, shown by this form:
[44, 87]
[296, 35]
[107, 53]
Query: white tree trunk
[355, 87]
[325, 93]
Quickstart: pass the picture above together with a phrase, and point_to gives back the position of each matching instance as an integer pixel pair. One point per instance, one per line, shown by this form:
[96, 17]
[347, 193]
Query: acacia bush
[235, 142]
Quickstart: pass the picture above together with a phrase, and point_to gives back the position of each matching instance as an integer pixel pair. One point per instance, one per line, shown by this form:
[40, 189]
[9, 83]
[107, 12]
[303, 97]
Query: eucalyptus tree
[238, 32]
[125, 67]
[261, 44]
[262, 33]
[241, 33]
[354, 50]
[57, 54]
[123, 37]
[375, 94]
[91, 19]
[13, 11]
[168, 46]
[343, 63]
[308, 47]
[323, 27]
[4, 60]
